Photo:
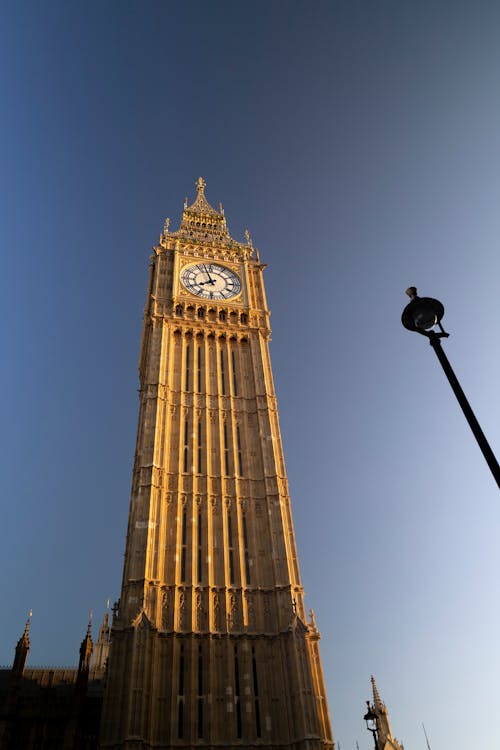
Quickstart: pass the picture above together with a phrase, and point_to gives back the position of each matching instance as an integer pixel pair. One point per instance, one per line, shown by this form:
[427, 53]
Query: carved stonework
[211, 614]
[217, 615]
[233, 617]
[165, 609]
[250, 599]
[182, 611]
[200, 613]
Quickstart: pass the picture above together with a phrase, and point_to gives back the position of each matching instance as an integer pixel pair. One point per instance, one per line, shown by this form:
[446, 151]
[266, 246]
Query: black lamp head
[422, 313]
[370, 717]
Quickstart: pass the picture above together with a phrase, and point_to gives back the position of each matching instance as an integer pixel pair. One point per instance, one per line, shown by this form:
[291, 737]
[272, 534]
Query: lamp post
[371, 722]
[423, 315]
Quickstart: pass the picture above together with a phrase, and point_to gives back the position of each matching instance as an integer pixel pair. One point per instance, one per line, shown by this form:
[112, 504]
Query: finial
[411, 292]
[312, 617]
[185, 203]
[89, 627]
[28, 625]
[200, 184]
[221, 209]
[166, 225]
[248, 238]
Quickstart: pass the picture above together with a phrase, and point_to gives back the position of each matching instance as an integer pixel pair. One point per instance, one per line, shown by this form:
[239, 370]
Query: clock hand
[208, 274]
[202, 283]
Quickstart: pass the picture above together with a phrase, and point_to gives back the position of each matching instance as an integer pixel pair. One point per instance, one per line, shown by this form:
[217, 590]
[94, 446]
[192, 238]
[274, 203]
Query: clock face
[211, 281]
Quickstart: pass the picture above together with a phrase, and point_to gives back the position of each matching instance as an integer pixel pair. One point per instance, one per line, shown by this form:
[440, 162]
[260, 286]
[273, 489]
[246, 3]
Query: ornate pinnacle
[25, 638]
[200, 185]
[376, 696]
[166, 225]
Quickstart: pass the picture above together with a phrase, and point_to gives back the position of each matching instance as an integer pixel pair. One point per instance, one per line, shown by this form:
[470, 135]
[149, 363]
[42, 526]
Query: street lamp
[423, 315]
[371, 722]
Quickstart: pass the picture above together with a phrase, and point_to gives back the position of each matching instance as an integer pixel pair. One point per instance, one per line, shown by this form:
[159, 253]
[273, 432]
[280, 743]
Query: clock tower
[210, 645]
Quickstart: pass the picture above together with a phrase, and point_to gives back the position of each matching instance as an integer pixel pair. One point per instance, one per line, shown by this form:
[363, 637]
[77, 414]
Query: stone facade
[211, 646]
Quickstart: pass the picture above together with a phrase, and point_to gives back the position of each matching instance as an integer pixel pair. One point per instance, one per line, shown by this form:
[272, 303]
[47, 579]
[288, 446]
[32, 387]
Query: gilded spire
[377, 700]
[201, 222]
[200, 205]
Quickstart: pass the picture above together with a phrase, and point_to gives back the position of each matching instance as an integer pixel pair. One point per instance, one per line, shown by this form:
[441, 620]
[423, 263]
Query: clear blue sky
[358, 141]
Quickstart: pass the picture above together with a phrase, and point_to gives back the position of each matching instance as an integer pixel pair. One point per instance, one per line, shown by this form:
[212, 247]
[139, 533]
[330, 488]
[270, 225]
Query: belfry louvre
[210, 645]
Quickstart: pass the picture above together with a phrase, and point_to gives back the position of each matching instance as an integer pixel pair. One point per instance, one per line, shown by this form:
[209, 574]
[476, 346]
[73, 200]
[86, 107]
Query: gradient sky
[358, 140]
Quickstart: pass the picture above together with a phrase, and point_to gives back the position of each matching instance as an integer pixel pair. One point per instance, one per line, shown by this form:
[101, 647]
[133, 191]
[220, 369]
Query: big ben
[211, 646]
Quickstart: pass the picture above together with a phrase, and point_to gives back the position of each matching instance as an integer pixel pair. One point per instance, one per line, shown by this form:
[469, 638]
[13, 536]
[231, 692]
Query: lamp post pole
[421, 315]
[371, 722]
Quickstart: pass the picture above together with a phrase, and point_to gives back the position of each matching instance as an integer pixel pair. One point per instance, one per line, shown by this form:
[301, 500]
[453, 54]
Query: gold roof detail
[201, 222]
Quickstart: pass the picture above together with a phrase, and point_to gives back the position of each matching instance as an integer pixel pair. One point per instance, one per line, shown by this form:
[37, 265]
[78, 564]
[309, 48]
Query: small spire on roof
[200, 185]
[166, 225]
[248, 238]
[377, 700]
[25, 638]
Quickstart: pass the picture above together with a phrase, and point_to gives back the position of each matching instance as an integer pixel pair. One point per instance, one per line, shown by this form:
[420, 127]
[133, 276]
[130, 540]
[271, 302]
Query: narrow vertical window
[226, 451]
[199, 369]
[222, 374]
[186, 445]
[180, 698]
[240, 455]
[230, 547]
[235, 383]
[183, 544]
[246, 553]
[199, 447]
[186, 379]
[199, 565]
[200, 692]
[256, 694]
[237, 693]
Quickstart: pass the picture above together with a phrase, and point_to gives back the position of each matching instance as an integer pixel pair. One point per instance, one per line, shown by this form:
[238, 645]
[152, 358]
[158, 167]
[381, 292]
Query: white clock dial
[211, 281]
